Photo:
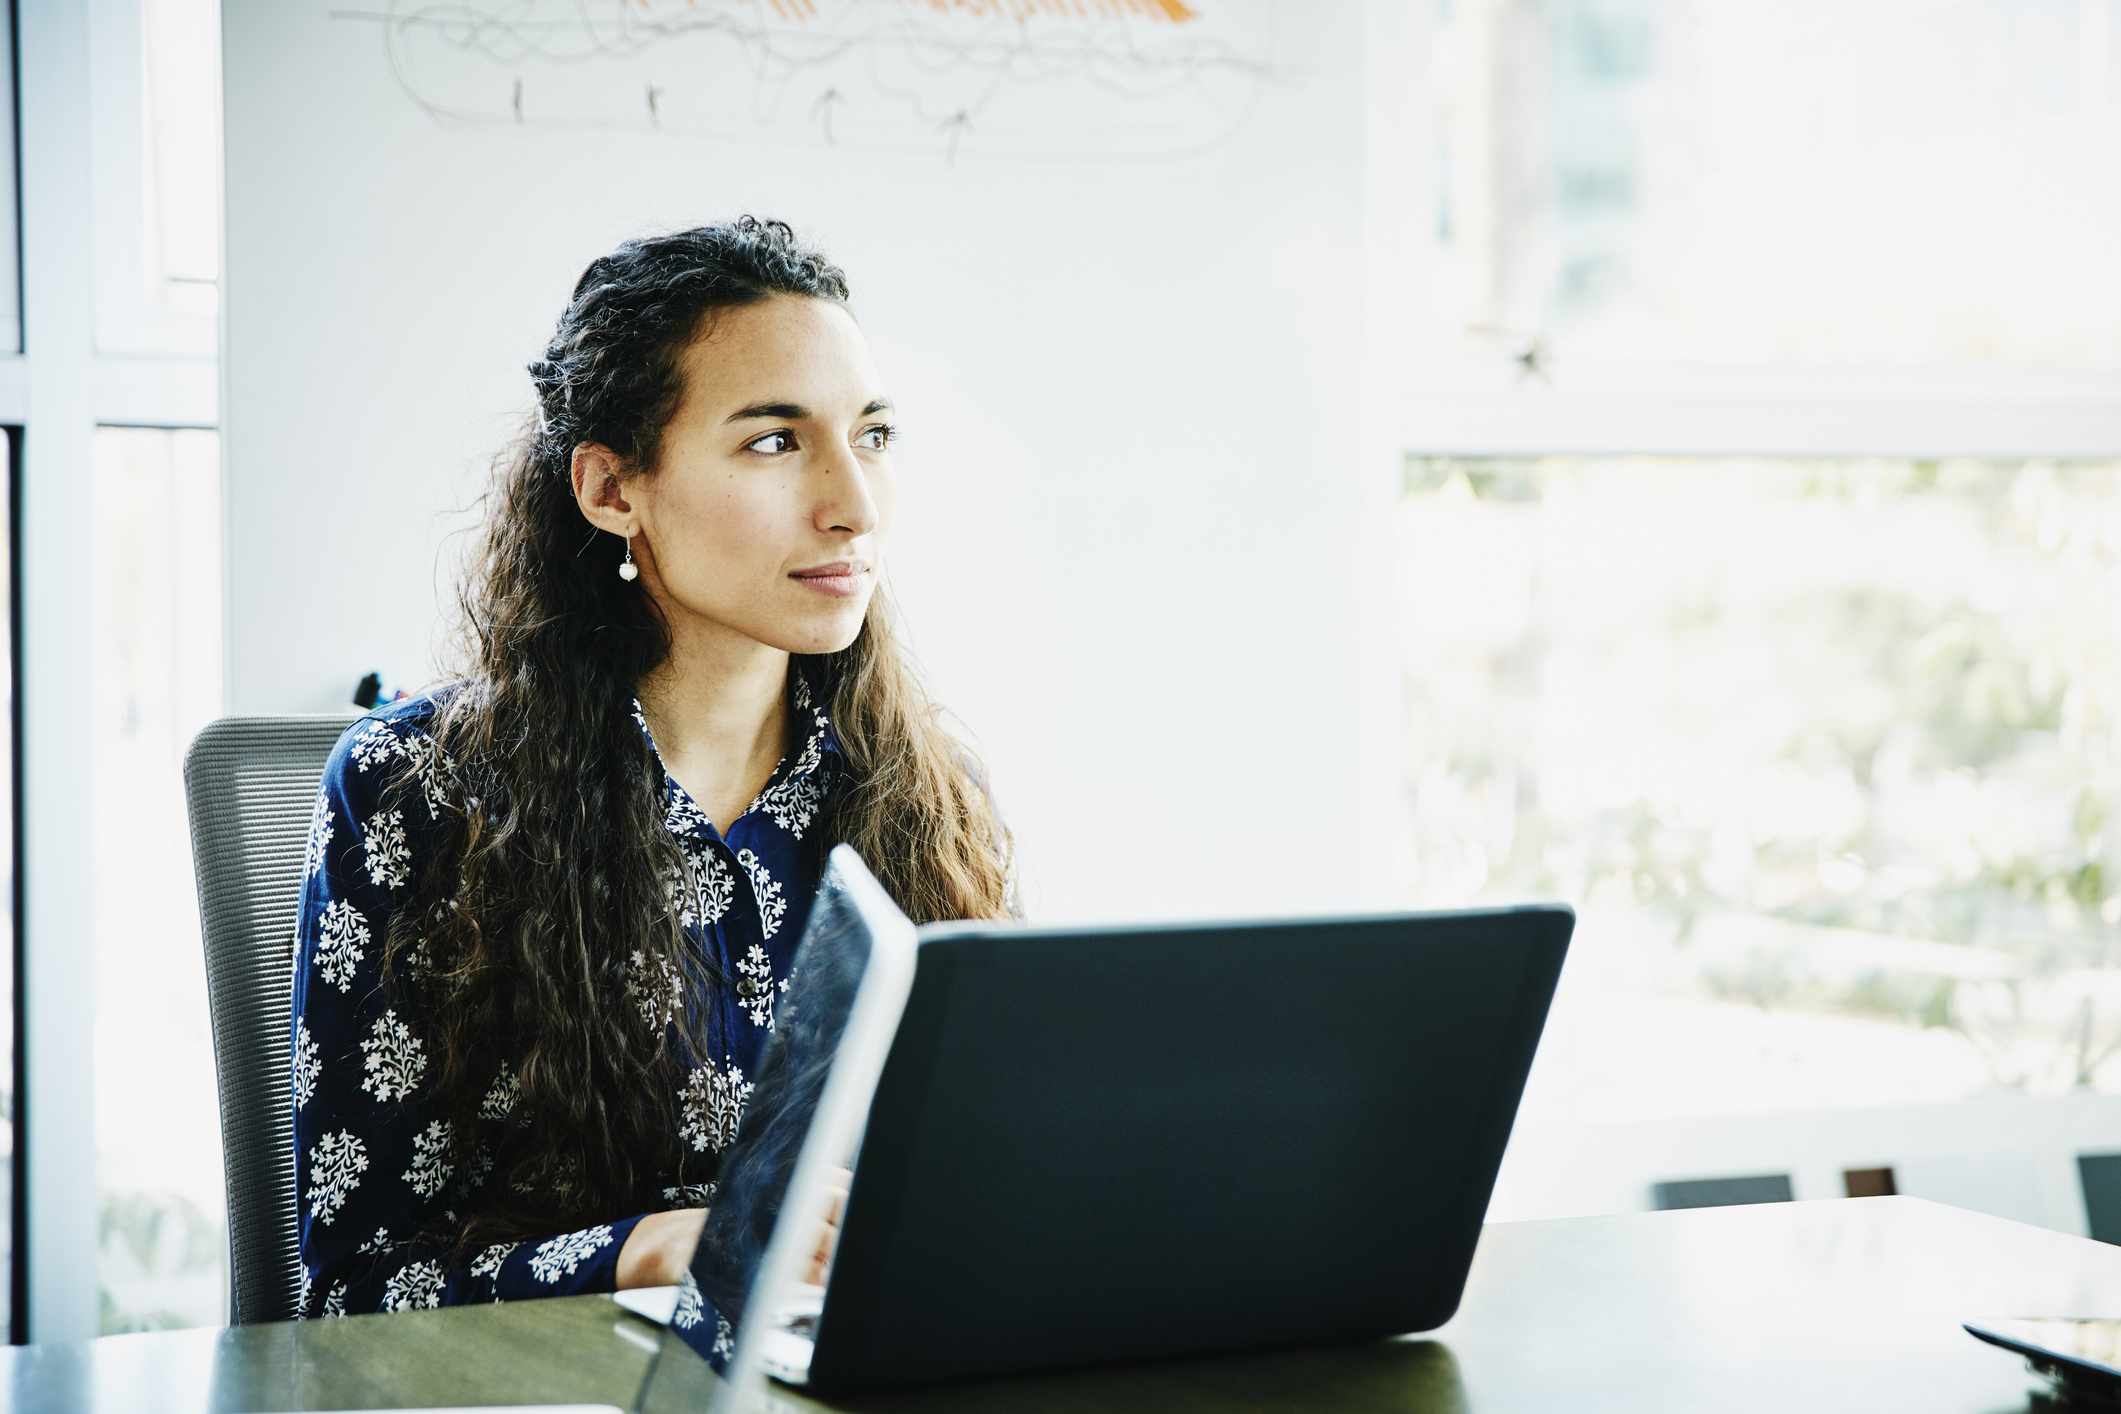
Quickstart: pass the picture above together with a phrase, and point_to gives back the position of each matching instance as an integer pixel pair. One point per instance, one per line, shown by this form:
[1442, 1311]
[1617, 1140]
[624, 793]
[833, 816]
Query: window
[10, 945]
[156, 587]
[1748, 186]
[1827, 753]
[157, 153]
[10, 226]
[182, 170]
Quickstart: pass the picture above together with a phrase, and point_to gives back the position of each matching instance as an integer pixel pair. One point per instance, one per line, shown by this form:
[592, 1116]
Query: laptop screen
[762, 1253]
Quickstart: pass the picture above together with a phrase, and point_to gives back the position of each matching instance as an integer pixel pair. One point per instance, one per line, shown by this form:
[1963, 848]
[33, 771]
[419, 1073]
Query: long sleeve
[374, 1165]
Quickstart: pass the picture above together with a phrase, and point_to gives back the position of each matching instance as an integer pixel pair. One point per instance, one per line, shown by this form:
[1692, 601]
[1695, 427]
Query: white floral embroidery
[379, 1243]
[416, 1284]
[307, 1066]
[691, 1309]
[440, 781]
[713, 1102]
[675, 893]
[714, 885]
[302, 1295]
[559, 1256]
[394, 1059]
[500, 1101]
[335, 1299]
[793, 803]
[481, 1169]
[319, 835]
[376, 744]
[389, 858]
[488, 1263]
[653, 988]
[683, 816]
[430, 1167]
[755, 985]
[704, 890]
[814, 748]
[342, 933]
[335, 1167]
[689, 1195]
[724, 1337]
[794, 798]
[767, 890]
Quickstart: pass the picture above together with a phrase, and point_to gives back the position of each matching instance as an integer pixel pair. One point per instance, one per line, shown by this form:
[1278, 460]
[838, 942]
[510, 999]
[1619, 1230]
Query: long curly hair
[549, 879]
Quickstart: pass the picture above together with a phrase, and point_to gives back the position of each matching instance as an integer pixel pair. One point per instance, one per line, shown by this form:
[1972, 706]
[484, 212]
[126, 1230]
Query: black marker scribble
[1106, 79]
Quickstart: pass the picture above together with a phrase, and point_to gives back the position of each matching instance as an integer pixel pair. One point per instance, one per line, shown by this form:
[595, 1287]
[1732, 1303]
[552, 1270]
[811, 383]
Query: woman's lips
[838, 583]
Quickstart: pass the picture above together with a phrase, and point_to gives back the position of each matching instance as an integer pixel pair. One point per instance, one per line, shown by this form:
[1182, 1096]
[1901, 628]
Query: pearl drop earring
[628, 571]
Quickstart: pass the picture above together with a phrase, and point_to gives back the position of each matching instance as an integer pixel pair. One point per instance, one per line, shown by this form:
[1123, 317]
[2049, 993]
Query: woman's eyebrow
[796, 412]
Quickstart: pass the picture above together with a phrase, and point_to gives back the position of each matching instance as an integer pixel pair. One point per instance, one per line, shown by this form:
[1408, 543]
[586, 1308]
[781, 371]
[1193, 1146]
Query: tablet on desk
[745, 1307]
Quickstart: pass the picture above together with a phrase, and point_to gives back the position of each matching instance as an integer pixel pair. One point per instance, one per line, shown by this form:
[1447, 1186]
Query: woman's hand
[828, 1238]
[659, 1249]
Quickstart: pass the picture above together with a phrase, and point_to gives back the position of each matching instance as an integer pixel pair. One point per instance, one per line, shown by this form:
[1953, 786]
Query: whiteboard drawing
[1105, 79]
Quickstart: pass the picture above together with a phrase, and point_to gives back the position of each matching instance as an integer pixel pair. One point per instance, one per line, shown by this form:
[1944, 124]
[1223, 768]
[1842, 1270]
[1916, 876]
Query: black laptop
[1112, 1143]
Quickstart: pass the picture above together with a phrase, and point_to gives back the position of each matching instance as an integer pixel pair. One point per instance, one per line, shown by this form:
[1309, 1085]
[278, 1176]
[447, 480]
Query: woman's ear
[598, 490]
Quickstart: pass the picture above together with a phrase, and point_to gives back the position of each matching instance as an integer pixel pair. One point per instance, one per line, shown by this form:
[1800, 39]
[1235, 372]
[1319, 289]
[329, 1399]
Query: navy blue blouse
[374, 1165]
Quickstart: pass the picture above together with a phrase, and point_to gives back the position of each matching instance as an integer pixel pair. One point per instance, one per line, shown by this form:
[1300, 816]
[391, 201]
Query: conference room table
[1852, 1304]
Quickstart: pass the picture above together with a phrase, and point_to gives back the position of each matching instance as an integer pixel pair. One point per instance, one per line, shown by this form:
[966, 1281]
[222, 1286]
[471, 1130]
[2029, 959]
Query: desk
[1847, 1305]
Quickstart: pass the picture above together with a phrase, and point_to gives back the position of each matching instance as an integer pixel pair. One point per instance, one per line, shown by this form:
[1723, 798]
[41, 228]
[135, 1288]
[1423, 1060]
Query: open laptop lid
[1132, 1141]
[802, 1125]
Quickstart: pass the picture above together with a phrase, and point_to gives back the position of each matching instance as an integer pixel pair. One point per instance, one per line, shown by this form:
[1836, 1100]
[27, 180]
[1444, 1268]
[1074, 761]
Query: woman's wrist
[659, 1249]
[641, 1257]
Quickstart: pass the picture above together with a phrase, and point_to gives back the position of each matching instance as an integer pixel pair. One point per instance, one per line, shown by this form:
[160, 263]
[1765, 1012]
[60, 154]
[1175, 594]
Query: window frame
[11, 191]
[130, 322]
[58, 389]
[1943, 414]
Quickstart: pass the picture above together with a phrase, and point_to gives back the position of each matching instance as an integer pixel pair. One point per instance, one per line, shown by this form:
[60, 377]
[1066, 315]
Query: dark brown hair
[553, 869]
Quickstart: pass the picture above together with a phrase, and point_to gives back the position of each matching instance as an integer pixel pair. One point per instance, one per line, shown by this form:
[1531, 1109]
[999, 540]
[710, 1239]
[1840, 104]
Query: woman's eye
[884, 433]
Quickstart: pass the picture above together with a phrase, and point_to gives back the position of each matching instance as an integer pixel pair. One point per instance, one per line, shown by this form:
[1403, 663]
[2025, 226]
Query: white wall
[1143, 456]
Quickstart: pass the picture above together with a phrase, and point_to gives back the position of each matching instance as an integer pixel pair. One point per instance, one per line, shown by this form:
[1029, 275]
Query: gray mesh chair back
[251, 783]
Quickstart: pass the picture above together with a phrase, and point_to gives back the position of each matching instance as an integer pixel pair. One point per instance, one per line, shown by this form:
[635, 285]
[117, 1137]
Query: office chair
[250, 783]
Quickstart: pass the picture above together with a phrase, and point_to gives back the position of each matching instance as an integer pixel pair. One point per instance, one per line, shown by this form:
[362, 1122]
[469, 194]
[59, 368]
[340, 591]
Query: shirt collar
[821, 744]
[820, 750]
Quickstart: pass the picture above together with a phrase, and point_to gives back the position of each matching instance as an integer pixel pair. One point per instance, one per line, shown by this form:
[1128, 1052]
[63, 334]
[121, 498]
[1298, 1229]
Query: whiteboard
[1113, 267]
[1113, 80]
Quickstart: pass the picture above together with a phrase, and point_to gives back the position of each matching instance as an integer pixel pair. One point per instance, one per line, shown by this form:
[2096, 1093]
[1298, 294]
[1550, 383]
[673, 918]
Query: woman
[549, 906]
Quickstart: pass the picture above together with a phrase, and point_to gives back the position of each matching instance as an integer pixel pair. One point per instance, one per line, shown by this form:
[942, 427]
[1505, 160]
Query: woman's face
[774, 468]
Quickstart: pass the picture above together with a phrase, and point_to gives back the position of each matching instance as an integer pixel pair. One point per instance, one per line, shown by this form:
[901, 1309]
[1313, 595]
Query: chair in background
[251, 783]
[1721, 1192]
[2100, 1177]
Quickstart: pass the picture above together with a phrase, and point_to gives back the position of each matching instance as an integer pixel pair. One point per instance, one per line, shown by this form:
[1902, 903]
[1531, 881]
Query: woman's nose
[845, 502]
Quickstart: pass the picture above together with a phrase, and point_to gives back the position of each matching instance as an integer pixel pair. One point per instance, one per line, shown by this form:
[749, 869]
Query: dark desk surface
[1848, 1305]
